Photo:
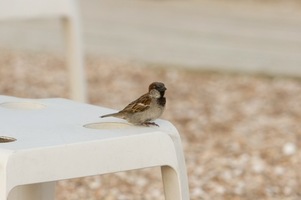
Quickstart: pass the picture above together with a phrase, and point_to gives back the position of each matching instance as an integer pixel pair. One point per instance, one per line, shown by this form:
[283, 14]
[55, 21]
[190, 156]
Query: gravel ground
[241, 133]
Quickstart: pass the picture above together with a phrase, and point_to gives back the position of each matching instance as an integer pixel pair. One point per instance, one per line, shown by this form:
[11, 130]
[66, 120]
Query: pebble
[289, 149]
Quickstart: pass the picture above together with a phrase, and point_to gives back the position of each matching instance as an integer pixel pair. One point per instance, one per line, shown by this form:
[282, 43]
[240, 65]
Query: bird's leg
[150, 123]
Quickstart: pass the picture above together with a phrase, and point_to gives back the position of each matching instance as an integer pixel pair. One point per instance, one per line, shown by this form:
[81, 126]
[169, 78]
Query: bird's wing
[139, 105]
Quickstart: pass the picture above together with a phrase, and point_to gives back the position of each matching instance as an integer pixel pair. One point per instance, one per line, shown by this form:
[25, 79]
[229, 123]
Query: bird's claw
[150, 124]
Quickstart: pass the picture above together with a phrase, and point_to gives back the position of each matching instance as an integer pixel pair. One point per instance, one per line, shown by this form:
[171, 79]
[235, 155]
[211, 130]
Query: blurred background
[232, 69]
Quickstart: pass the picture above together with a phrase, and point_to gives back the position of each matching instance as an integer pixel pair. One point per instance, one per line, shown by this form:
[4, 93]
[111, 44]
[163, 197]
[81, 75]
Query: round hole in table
[22, 105]
[108, 125]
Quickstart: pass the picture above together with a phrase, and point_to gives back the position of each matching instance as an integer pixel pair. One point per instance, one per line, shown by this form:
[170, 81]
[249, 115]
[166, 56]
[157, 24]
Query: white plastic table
[45, 140]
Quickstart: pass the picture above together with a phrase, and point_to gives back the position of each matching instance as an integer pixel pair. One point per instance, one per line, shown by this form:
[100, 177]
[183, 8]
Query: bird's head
[157, 89]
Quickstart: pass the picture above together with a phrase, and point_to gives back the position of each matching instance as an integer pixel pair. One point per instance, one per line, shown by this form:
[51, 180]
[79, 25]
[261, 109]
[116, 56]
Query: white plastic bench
[67, 11]
[46, 140]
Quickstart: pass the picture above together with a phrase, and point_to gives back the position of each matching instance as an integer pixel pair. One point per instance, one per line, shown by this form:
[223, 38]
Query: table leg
[175, 186]
[39, 191]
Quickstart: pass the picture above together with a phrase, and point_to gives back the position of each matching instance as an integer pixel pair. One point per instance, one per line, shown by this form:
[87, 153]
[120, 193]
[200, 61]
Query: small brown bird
[146, 108]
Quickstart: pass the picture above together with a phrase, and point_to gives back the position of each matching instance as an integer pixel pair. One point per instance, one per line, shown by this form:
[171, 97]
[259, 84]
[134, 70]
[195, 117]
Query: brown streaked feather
[139, 105]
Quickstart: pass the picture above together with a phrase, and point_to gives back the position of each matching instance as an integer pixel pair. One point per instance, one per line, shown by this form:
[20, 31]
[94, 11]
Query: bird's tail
[112, 115]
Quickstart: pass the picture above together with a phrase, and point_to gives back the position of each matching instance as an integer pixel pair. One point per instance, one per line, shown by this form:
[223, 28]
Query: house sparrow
[146, 108]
